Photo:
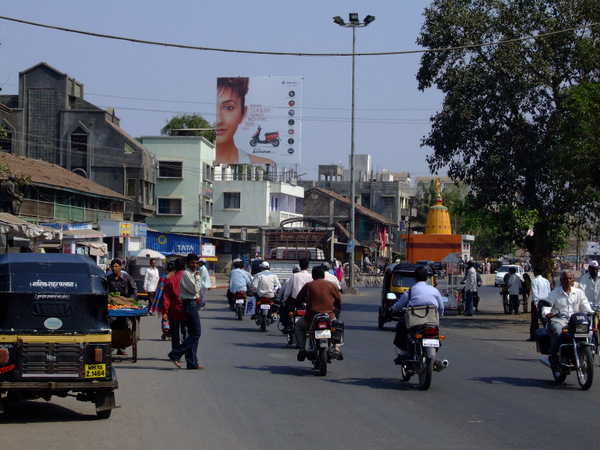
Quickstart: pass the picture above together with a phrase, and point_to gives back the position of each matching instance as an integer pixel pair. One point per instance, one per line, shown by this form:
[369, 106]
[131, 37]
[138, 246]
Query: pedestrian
[205, 277]
[589, 283]
[172, 306]
[9, 196]
[189, 292]
[151, 277]
[514, 286]
[120, 282]
[540, 289]
[470, 280]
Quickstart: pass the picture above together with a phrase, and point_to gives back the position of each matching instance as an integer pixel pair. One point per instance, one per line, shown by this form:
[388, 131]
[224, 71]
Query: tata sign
[168, 243]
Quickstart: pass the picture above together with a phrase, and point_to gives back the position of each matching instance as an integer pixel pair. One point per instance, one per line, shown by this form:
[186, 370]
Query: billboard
[259, 120]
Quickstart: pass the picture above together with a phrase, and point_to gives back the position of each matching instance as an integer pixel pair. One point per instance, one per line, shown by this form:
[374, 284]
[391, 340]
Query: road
[254, 394]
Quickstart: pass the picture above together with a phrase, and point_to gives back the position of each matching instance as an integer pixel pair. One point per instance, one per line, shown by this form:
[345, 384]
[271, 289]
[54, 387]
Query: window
[170, 206]
[209, 172]
[170, 169]
[232, 200]
[130, 187]
[208, 208]
[387, 201]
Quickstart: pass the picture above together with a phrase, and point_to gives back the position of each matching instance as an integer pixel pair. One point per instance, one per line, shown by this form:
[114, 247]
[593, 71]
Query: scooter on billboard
[270, 138]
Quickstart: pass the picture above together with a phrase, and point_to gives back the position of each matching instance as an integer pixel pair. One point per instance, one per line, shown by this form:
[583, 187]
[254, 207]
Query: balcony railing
[49, 211]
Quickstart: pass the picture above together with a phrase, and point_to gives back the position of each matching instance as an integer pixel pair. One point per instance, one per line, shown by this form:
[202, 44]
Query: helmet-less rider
[420, 294]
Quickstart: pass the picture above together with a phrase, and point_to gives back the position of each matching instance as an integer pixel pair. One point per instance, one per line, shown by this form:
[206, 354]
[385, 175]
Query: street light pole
[353, 23]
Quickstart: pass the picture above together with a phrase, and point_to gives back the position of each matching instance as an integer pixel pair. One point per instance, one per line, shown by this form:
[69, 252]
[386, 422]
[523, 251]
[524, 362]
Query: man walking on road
[540, 288]
[189, 291]
[589, 283]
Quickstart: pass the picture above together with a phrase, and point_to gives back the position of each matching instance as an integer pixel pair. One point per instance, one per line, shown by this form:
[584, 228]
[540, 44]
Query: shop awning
[82, 234]
[95, 248]
[13, 226]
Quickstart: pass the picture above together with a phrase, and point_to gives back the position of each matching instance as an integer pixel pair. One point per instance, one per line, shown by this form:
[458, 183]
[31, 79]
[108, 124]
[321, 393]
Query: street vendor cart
[125, 326]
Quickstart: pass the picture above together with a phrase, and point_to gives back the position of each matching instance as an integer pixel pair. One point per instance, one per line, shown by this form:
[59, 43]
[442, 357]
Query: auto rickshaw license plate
[95, 370]
[431, 342]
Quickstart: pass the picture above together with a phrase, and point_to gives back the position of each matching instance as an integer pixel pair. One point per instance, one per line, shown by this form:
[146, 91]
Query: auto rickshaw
[136, 267]
[397, 278]
[55, 338]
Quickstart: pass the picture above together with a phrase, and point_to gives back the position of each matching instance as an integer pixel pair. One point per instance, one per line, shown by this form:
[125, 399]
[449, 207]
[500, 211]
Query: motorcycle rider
[566, 300]
[420, 294]
[265, 284]
[320, 296]
[239, 280]
[590, 284]
[292, 288]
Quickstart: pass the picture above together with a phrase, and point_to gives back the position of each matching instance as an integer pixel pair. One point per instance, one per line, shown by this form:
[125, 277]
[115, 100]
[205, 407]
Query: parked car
[503, 270]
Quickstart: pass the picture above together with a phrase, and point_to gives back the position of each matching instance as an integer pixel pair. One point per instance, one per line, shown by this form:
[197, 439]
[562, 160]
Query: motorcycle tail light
[322, 325]
[430, 331]
[301, 312]
[98, 355]
[3, 355]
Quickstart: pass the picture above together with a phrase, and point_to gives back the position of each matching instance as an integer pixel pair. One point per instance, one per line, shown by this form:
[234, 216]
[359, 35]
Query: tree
[502, 126]
[189, 125]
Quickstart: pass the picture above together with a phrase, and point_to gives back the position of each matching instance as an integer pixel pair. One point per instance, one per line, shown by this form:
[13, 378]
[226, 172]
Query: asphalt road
[254, 394]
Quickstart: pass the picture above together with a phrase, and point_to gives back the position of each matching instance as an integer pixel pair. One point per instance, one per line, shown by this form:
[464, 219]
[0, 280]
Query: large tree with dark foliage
[517, 77]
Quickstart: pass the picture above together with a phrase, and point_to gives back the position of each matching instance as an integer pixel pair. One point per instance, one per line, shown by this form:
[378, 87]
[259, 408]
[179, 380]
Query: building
[438, 241]
[385, 193]
[247, 199]
[372, 230]
[76, 205]
[184, 186]
[50, 120]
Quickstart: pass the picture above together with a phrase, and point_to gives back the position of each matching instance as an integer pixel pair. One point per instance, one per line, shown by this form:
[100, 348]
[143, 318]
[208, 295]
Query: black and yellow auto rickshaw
[55, 338]
[397, 278]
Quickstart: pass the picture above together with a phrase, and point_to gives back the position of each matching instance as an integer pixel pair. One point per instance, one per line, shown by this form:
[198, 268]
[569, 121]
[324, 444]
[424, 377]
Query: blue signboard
[168, 243]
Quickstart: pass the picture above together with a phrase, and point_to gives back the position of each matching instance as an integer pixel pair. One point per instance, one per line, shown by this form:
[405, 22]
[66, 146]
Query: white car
[503, 270]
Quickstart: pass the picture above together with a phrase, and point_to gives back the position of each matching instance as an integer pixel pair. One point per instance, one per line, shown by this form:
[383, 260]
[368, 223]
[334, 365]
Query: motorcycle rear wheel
[263, 322]
[585, 370]
[239, 313]
[322, 362]
[426, 374]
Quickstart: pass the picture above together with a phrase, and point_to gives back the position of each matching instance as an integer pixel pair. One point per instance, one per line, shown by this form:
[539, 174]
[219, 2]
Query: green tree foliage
[187, 125]
[507, 109]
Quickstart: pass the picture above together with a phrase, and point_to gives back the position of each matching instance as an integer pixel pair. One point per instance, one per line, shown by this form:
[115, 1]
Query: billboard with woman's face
[259, 120]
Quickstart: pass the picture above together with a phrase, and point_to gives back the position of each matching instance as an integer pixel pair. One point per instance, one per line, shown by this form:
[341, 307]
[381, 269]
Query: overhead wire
[259, 52]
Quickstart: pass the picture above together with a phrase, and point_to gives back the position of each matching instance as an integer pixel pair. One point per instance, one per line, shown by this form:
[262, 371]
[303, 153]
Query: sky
[149, 84]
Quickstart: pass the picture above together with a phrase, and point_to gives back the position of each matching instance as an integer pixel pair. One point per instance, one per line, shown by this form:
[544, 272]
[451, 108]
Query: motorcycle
[294, 316]
[270, 138]
[323, 335]
[240, 304]
[424, 340]
[576, 350]
[266, 313]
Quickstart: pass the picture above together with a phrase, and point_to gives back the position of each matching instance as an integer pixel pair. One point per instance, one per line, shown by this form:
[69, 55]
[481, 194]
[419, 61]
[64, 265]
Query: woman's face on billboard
[230, 114]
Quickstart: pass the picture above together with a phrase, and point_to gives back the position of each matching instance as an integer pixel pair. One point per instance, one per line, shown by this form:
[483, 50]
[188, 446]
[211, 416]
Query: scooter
[270, 138]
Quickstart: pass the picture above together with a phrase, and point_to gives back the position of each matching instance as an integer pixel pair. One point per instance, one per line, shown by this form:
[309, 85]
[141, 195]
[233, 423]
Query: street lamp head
[369, 19]
[339, 21]
[353, 17]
